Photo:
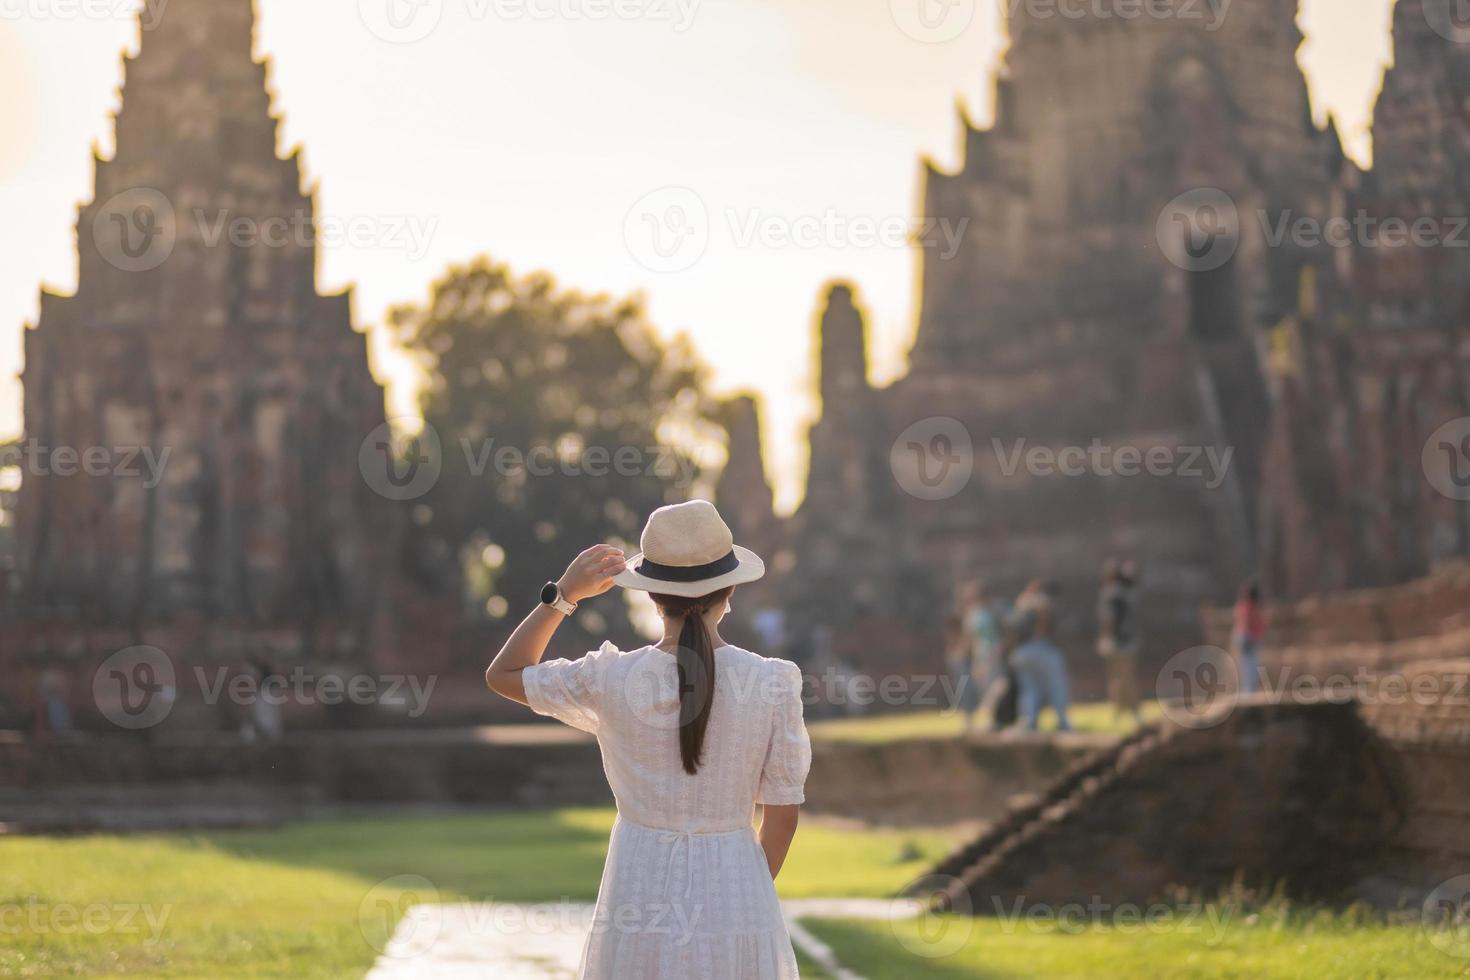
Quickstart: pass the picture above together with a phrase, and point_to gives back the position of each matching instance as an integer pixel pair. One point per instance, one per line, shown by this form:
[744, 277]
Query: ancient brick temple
[1119, 288]
[222, 397]
[1368, 456]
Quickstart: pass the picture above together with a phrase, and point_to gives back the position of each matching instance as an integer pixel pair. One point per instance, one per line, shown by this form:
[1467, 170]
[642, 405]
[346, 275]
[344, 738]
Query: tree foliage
[563, 421]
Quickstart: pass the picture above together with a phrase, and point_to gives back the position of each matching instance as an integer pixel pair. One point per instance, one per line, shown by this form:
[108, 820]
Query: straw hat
[688, 551]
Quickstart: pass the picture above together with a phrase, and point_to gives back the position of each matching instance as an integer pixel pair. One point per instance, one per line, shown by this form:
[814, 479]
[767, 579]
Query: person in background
[1117, 635]
[1248, 635]
[957, 665]
[769, 623]
[54, 713]
[986, 639]
[1039, 664]
[264, 721]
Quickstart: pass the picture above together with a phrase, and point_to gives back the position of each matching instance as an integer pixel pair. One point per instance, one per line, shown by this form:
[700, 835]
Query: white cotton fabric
[686, 893]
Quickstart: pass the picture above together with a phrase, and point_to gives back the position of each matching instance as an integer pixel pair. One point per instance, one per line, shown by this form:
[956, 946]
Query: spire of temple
[197, 327]
[194, 93]
[743, 492]
[196, 163]
[844, 348]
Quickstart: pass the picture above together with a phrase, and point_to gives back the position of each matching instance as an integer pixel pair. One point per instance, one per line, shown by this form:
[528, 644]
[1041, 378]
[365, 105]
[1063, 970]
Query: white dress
[686, 893]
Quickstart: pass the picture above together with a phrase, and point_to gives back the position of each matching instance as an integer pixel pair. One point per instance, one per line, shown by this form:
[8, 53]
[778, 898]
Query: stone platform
[124, 782]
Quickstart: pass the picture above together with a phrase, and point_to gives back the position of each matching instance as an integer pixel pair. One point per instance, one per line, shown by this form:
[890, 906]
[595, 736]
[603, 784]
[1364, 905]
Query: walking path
[544, 942]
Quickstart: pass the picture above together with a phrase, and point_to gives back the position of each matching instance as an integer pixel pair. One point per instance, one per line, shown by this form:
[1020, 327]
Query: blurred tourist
[1117, 635]
[769, 623]
[54, 716]
[264, 720]
[957, 663]
[1040, 667]
[1248, 635]
[986, 640]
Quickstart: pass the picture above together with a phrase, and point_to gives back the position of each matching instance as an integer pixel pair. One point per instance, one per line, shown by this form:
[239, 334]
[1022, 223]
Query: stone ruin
[1334, 790]
[1065, 318]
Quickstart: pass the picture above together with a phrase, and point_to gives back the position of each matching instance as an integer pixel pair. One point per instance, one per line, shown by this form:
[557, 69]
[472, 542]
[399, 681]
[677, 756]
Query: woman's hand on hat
[591, 573]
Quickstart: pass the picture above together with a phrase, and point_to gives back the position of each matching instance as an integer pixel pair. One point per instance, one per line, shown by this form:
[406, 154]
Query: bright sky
[536, 137]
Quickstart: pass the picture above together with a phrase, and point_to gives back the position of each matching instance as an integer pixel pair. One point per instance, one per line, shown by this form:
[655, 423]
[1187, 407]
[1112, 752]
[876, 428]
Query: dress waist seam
[684, 833]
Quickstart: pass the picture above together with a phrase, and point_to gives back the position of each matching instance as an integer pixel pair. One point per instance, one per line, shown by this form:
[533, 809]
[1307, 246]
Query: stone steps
[947, 883]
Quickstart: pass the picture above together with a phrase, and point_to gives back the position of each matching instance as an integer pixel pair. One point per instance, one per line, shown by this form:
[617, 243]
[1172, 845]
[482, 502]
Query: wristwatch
[551, 596]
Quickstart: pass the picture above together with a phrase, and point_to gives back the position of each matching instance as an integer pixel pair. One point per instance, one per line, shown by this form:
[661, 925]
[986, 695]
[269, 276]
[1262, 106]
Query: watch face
[548, 593]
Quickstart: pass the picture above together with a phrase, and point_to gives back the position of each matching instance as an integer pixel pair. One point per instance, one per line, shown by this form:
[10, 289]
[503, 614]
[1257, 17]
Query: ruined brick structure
[1377, 356]
[197, 331]
[1344, 778]
[1083, 310]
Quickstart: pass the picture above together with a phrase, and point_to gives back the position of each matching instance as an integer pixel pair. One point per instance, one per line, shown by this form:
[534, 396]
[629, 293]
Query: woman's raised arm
[590, 574]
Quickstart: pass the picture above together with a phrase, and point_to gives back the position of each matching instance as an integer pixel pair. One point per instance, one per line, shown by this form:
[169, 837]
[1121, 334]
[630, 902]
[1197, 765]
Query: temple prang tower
[197, 333]
[1076, 313]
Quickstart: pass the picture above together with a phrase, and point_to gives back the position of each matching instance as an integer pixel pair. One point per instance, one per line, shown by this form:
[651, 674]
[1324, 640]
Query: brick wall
[1366, 798]
[85, 782]
[1275, 792]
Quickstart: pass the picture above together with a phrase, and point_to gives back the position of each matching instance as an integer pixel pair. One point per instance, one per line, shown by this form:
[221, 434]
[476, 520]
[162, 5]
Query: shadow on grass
[500, 857]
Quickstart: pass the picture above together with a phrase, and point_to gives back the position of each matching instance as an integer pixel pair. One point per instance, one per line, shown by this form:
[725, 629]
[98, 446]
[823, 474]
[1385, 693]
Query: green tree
[562, 422]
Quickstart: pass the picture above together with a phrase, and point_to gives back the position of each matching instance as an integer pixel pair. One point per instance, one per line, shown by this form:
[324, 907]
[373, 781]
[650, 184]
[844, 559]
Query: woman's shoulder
[769, 668]
[740, 654]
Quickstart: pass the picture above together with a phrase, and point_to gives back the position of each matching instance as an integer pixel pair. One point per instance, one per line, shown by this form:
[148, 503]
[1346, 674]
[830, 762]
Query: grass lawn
[319, 899]
[1295, 946]
[1096, 717]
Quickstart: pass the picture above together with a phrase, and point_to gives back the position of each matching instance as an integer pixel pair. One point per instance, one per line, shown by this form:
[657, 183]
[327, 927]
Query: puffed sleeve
[570, 690]
[789, 755]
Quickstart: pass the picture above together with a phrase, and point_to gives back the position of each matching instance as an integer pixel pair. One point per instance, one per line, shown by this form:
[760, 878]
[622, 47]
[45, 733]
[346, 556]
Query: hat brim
[750, 568]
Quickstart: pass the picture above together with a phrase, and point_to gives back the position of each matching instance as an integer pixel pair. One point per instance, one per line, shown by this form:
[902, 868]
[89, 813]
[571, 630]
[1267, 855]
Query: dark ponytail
[695, 656]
